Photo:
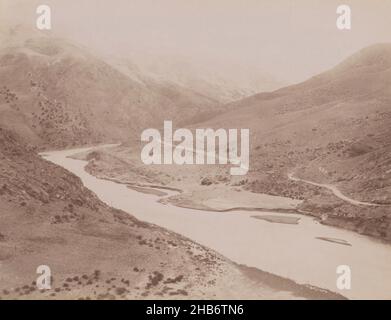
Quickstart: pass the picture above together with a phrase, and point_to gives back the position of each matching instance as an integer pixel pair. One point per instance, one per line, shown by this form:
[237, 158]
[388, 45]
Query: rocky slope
[57, 94]
[48, 218]
[333, 128]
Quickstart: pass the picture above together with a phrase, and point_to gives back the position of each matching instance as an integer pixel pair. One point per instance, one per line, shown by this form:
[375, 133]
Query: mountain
[220, 80]
[334, 128]
[56, 93]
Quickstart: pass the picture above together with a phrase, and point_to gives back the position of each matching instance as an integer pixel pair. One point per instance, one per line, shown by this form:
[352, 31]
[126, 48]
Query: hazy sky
[290, 39]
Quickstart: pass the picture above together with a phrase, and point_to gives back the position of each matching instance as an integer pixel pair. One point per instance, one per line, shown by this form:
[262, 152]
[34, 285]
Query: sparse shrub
[206, 181]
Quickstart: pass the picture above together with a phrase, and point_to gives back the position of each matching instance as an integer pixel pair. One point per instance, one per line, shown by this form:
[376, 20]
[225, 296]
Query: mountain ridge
[67, 96]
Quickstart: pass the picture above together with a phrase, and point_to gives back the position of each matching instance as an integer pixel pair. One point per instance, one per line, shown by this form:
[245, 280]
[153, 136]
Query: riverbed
[296, 251]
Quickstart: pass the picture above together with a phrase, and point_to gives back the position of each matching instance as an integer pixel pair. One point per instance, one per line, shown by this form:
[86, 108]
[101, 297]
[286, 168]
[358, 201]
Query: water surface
[294, 251]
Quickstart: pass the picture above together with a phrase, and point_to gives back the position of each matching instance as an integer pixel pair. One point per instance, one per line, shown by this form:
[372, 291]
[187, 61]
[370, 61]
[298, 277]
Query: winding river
[306, 251]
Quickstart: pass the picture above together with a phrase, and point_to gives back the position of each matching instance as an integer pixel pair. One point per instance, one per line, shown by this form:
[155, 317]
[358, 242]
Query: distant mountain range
[220, 80]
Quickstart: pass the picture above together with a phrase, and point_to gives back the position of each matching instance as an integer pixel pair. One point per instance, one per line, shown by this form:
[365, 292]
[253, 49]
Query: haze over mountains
[54, 94]
[223, 81]
[57, 93]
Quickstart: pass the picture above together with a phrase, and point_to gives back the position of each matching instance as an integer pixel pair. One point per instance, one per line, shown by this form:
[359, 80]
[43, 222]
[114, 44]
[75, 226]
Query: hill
[58, 94]
[334, 128]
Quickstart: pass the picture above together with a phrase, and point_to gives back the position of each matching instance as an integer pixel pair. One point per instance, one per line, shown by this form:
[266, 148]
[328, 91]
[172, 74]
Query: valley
[315, 194]
[98, 252]
[245, 240]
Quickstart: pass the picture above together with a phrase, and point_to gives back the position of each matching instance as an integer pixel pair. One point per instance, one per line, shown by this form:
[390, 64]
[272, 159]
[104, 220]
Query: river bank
[94, 251]
[211, 188]
[291, 251]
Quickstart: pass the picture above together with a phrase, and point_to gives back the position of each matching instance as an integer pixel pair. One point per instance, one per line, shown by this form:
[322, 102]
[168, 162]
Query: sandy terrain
[194, 186]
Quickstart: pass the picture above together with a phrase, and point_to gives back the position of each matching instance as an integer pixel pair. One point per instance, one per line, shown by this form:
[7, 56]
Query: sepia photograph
[170, 150]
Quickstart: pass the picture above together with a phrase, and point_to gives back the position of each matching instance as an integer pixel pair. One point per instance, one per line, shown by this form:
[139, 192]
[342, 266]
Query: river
[295, 251]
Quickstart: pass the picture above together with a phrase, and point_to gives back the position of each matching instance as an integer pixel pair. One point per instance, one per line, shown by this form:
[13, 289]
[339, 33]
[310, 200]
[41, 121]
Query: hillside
[57, 94]
[334, 128]
[48, 218]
